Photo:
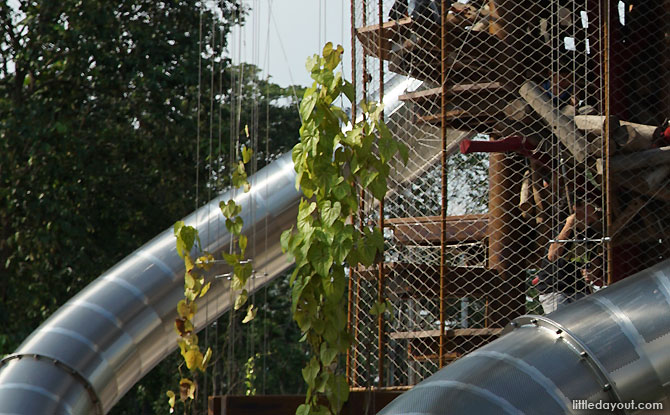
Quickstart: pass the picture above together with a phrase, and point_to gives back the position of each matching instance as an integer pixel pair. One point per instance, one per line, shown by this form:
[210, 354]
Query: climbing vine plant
[195, 287]
[332, 165]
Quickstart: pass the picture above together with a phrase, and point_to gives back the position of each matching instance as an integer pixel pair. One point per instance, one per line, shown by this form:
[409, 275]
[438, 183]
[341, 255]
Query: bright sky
[297, 29]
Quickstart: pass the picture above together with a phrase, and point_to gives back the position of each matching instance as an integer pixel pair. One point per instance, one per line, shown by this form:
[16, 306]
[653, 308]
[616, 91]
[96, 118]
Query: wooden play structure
[538, 96]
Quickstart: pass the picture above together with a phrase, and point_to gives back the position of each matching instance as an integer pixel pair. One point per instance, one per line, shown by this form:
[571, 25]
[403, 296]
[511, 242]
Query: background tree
[98, 128]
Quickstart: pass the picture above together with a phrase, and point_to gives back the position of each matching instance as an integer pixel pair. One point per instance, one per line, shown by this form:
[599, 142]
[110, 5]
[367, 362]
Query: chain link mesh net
[555, 180]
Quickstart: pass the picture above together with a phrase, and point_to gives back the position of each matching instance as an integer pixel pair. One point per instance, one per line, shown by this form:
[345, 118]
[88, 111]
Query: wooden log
[638, 160]
[495, 26]
[629, 136]
[541, 195]
[535, 134]
[594, 123]
[636, 139]
[502, 181]
[542, 199]
[518, 110]
[562, 126]
[525, 204]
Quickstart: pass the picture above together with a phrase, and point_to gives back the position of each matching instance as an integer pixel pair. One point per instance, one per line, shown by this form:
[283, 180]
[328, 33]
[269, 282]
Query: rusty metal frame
[443, 209]
[605, 4]
[350, 309]
[381, 282]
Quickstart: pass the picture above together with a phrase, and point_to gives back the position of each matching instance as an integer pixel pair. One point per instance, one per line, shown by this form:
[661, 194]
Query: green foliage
[97, 114]
[251, 375]
[195, 286]
[273, 337]
[331, 164]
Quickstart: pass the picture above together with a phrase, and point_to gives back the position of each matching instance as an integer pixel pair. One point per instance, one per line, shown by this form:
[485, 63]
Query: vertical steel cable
[210, 181]
[219, 173]
[197, 148]
[266, 194]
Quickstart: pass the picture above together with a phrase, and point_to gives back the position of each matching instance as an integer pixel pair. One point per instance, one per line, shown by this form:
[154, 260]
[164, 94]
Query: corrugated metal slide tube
[612, 347]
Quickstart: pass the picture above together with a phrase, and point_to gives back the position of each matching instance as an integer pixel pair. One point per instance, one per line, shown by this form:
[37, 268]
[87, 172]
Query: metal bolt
[559, 331]
[607, 387]
[533, 321]
[583, 355]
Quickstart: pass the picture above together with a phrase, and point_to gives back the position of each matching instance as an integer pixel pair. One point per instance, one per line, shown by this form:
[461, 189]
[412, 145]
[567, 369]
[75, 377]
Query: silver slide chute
[610, 349]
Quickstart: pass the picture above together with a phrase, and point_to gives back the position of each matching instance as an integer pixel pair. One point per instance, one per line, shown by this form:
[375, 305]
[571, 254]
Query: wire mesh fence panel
[639, 99]
[550, 116]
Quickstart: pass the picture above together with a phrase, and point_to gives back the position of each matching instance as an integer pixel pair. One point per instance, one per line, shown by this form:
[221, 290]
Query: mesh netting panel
[550, 117]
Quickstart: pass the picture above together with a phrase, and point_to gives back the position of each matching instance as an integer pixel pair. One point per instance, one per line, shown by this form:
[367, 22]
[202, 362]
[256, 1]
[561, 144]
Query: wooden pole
[505, 248]
[595, 124]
